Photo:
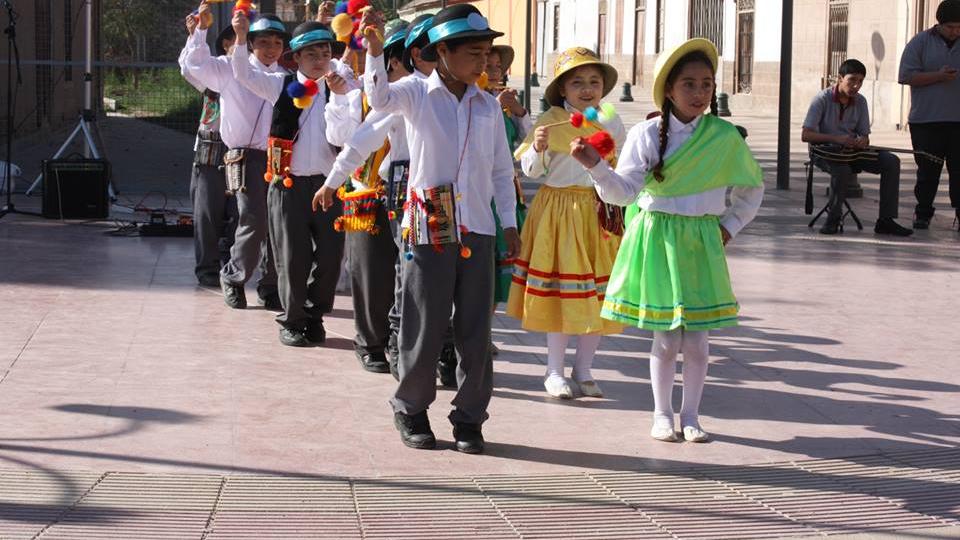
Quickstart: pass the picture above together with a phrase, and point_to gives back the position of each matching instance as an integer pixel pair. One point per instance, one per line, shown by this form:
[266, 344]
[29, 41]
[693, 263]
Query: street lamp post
[783, 117]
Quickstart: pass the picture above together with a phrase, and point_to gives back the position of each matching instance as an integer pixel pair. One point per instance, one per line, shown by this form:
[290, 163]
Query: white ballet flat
[695, 434]
[664, 433]
[558, 387]
[589, 388]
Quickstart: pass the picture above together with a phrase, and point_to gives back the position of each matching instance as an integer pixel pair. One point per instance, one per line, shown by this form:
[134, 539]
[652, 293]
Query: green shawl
[715, 156]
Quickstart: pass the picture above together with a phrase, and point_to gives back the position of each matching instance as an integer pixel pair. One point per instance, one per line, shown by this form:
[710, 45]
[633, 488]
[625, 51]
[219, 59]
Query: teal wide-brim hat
[462, 21]
[268, 24]
[416, 37]
[314, 33]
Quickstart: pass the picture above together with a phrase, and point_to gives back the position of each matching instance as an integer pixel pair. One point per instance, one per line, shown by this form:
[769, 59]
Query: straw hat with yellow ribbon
[669, 58]
[571, 59]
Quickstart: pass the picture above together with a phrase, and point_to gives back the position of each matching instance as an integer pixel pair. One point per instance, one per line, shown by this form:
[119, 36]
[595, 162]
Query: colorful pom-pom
[576, 119]
[391, 215]
[591, 114]
[268, 177]
[484, 81]
[302, 102]
[341, 25]
[243, 5]
[408, 255]
[602, 142]
[288, 182]
[338, 225]
[465, 252]
[607, 112]
[341, 7]
[354, 6]
[311, 88]
[295, 89]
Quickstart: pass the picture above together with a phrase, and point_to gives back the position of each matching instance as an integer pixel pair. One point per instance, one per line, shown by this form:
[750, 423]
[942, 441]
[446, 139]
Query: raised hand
[584, 153]
[541, 139]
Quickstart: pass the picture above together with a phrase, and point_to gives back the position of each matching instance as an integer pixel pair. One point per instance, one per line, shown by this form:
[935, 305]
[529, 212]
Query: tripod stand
[87, 124]
[13, 60]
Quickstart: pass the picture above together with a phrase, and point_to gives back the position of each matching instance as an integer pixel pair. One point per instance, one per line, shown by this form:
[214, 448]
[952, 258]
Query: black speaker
[76, 189]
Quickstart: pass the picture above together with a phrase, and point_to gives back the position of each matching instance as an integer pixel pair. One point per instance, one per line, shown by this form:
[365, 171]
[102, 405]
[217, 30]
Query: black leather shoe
[415, 430]
[208, 280]
[233, 295]
[393, 355]
[447, 366]
[316, 333]
[469, 438]
[921, 223]
[889, 226]
[374, 362]
[271, 302]
[294, 337]
[831, 227]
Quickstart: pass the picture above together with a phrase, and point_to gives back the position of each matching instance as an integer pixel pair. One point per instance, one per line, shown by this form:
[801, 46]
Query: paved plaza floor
[134, 404]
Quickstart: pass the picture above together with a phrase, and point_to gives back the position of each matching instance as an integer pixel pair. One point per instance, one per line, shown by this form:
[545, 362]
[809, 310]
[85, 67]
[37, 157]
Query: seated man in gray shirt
[930, 65]
[838, 117]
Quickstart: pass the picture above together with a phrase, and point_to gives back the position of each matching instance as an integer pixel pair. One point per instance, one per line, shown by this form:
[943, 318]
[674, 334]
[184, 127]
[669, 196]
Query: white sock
[556, 352]
[586, 349]
[696, 356]
[663, 369]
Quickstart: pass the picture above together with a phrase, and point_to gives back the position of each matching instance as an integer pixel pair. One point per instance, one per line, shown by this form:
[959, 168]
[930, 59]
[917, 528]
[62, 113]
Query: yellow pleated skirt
[560, 277]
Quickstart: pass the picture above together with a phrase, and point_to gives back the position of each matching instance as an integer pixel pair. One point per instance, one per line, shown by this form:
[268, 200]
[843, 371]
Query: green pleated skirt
[671, 272]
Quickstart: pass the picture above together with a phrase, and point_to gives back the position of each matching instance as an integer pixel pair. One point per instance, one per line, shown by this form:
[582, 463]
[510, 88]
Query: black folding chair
[808, 204]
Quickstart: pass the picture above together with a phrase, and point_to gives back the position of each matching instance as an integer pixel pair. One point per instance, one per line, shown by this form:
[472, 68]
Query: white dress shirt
[562, 170]
[215, 124]
[368, 137]
[312, 153]
[452, 141]
[244, 117]
[641, 153]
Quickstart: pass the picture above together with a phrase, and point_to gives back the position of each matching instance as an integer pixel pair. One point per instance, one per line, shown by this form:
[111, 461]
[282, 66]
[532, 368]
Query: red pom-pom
[354, 6]
[576, 119]
[310, 87]
[465, 252]
[603, 143]
[268, 176]
[288, 182]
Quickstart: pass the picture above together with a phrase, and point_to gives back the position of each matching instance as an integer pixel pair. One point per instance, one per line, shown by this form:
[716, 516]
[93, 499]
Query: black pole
[783, 117]
[526, 59]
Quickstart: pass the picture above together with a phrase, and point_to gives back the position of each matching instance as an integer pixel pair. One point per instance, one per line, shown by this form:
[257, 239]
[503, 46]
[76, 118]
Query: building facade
[629, 34]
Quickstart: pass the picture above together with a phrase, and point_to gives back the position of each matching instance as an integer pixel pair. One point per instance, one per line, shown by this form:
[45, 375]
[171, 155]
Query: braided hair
[667, 108]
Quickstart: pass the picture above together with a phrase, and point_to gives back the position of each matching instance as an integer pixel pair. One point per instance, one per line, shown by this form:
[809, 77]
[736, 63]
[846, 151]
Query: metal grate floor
[889, 492]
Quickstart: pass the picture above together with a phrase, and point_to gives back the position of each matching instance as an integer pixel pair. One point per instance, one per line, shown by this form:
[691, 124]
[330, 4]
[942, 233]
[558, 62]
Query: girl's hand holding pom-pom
[541, 138]
[583, 152]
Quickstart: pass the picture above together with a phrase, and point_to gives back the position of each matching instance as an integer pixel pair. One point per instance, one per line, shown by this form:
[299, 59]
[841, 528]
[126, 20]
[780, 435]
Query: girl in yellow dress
[560, 276]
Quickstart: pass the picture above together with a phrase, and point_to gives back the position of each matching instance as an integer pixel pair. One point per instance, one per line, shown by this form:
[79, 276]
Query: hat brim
[610, 76]
[668, 59]
[283, 35]
[429, 51]
[337, 48]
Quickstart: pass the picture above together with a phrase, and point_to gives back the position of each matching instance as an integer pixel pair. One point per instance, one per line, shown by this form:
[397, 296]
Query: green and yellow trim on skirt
[671, 272]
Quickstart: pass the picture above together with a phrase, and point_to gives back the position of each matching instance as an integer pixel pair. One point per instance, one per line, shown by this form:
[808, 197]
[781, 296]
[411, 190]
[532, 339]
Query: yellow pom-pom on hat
[669, 58]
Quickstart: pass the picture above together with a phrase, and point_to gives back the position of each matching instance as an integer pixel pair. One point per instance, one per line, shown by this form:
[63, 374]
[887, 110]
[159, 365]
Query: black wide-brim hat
[267, 24]
[226, 33]
[416, 37]
[312, 33]
[462, 21]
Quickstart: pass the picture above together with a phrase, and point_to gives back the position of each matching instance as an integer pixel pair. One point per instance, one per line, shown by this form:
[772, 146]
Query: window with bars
[556, 27]
[602, 28]
[836, 38]
[745, 10]
[67, 39]
[43, 42]
[706, 20]
[661, 19]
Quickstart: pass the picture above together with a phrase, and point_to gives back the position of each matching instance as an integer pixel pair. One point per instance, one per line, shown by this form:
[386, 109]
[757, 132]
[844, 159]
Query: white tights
[557, 349]
[663, 368]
